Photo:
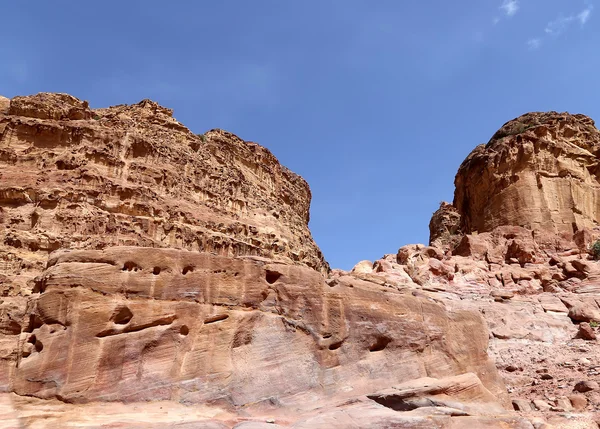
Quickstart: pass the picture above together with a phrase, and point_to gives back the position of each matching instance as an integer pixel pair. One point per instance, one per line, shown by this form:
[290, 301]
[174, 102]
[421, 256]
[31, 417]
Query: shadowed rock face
[540, 171]
[73, 177]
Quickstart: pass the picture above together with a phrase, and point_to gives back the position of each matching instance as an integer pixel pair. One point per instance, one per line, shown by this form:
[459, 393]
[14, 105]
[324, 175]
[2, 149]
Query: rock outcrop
[140, 324]
[444, 227]
[153, 278]
[72, 177]
[540, 171]
[146, 265]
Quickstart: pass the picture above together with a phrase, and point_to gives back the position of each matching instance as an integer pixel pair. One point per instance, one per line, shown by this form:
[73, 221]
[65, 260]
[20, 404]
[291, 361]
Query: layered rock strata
[72, 177]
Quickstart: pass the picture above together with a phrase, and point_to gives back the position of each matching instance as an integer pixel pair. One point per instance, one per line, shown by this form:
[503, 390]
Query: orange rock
[535, 172]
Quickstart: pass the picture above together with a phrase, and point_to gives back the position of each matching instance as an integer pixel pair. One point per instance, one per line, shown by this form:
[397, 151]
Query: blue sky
[374, 103]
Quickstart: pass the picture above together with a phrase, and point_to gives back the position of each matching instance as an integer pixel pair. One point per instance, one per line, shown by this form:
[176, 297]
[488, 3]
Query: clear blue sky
[374, 103]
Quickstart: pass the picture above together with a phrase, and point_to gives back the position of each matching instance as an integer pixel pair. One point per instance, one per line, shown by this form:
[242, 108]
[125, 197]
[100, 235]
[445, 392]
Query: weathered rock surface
[539, 171]
[76, 178]
[152, 278]
[444, 226]
[143, 324]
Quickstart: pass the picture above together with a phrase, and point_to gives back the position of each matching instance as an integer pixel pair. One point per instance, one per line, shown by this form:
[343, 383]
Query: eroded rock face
[140, 324]
[76, 178]
[539, 171]
[444, 227]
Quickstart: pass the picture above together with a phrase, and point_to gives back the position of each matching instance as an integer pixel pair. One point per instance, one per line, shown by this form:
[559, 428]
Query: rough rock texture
[76, 178]
[444, 226]
[130, 324]
[152, 278]
[540, 171]
[533, 301]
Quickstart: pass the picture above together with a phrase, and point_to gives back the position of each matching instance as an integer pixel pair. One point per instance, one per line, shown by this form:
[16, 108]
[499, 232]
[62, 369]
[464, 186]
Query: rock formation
[76, 178]
[539, 171]
[153, 278]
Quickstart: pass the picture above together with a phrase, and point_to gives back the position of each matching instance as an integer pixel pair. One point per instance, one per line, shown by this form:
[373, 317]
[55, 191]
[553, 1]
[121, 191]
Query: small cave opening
[380, 344]
[393, 402]
[122, 316]
[156, 271]
[187, 269]
[35, 217]
[130, 266]
[184, 330]
[336, 345]
[37, 344]
[272, 276]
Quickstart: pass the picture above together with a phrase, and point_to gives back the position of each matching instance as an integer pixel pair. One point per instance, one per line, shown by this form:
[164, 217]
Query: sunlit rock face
[139, 324]
[539, 171]
[154, 278]
[79, 178]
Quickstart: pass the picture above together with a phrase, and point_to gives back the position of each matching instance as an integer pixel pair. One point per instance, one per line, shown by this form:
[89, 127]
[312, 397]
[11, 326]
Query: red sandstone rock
[536, 172]
[586, 332]
[75, 178]
[239, 325]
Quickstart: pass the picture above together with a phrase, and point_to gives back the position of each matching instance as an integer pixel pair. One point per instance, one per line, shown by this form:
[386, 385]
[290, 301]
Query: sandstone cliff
[153, 278]
[540, 171]
[76, 178]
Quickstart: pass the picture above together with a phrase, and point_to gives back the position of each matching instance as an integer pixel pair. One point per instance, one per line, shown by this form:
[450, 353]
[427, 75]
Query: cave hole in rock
[272, 276]
[394, 403]
[380, 344]
[35, 217]
[37, 344]
[122, 316]
[336, 345]
[156, 271]
[130, 266]
[184, 330]
[187, 269]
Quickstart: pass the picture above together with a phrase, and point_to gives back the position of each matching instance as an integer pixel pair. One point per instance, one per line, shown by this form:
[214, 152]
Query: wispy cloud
[534, 43]
[562, 23]
[584, 15]
[510, 7]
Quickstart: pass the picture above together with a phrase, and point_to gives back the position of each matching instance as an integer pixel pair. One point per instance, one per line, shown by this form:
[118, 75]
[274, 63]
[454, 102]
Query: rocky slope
[153, 279]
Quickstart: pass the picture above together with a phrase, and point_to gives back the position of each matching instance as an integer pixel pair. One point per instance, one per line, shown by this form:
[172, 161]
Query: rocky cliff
[153, 278]
[539, 171]
[76, 178]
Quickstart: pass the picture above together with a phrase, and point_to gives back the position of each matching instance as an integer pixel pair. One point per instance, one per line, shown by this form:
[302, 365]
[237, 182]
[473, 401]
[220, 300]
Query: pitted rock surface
[153, 278]
[72, 177]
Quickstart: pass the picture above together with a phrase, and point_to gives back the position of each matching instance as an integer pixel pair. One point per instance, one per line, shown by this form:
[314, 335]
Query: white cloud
[534, 43]
[561, 24]
[584, 15]
[510, 7]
